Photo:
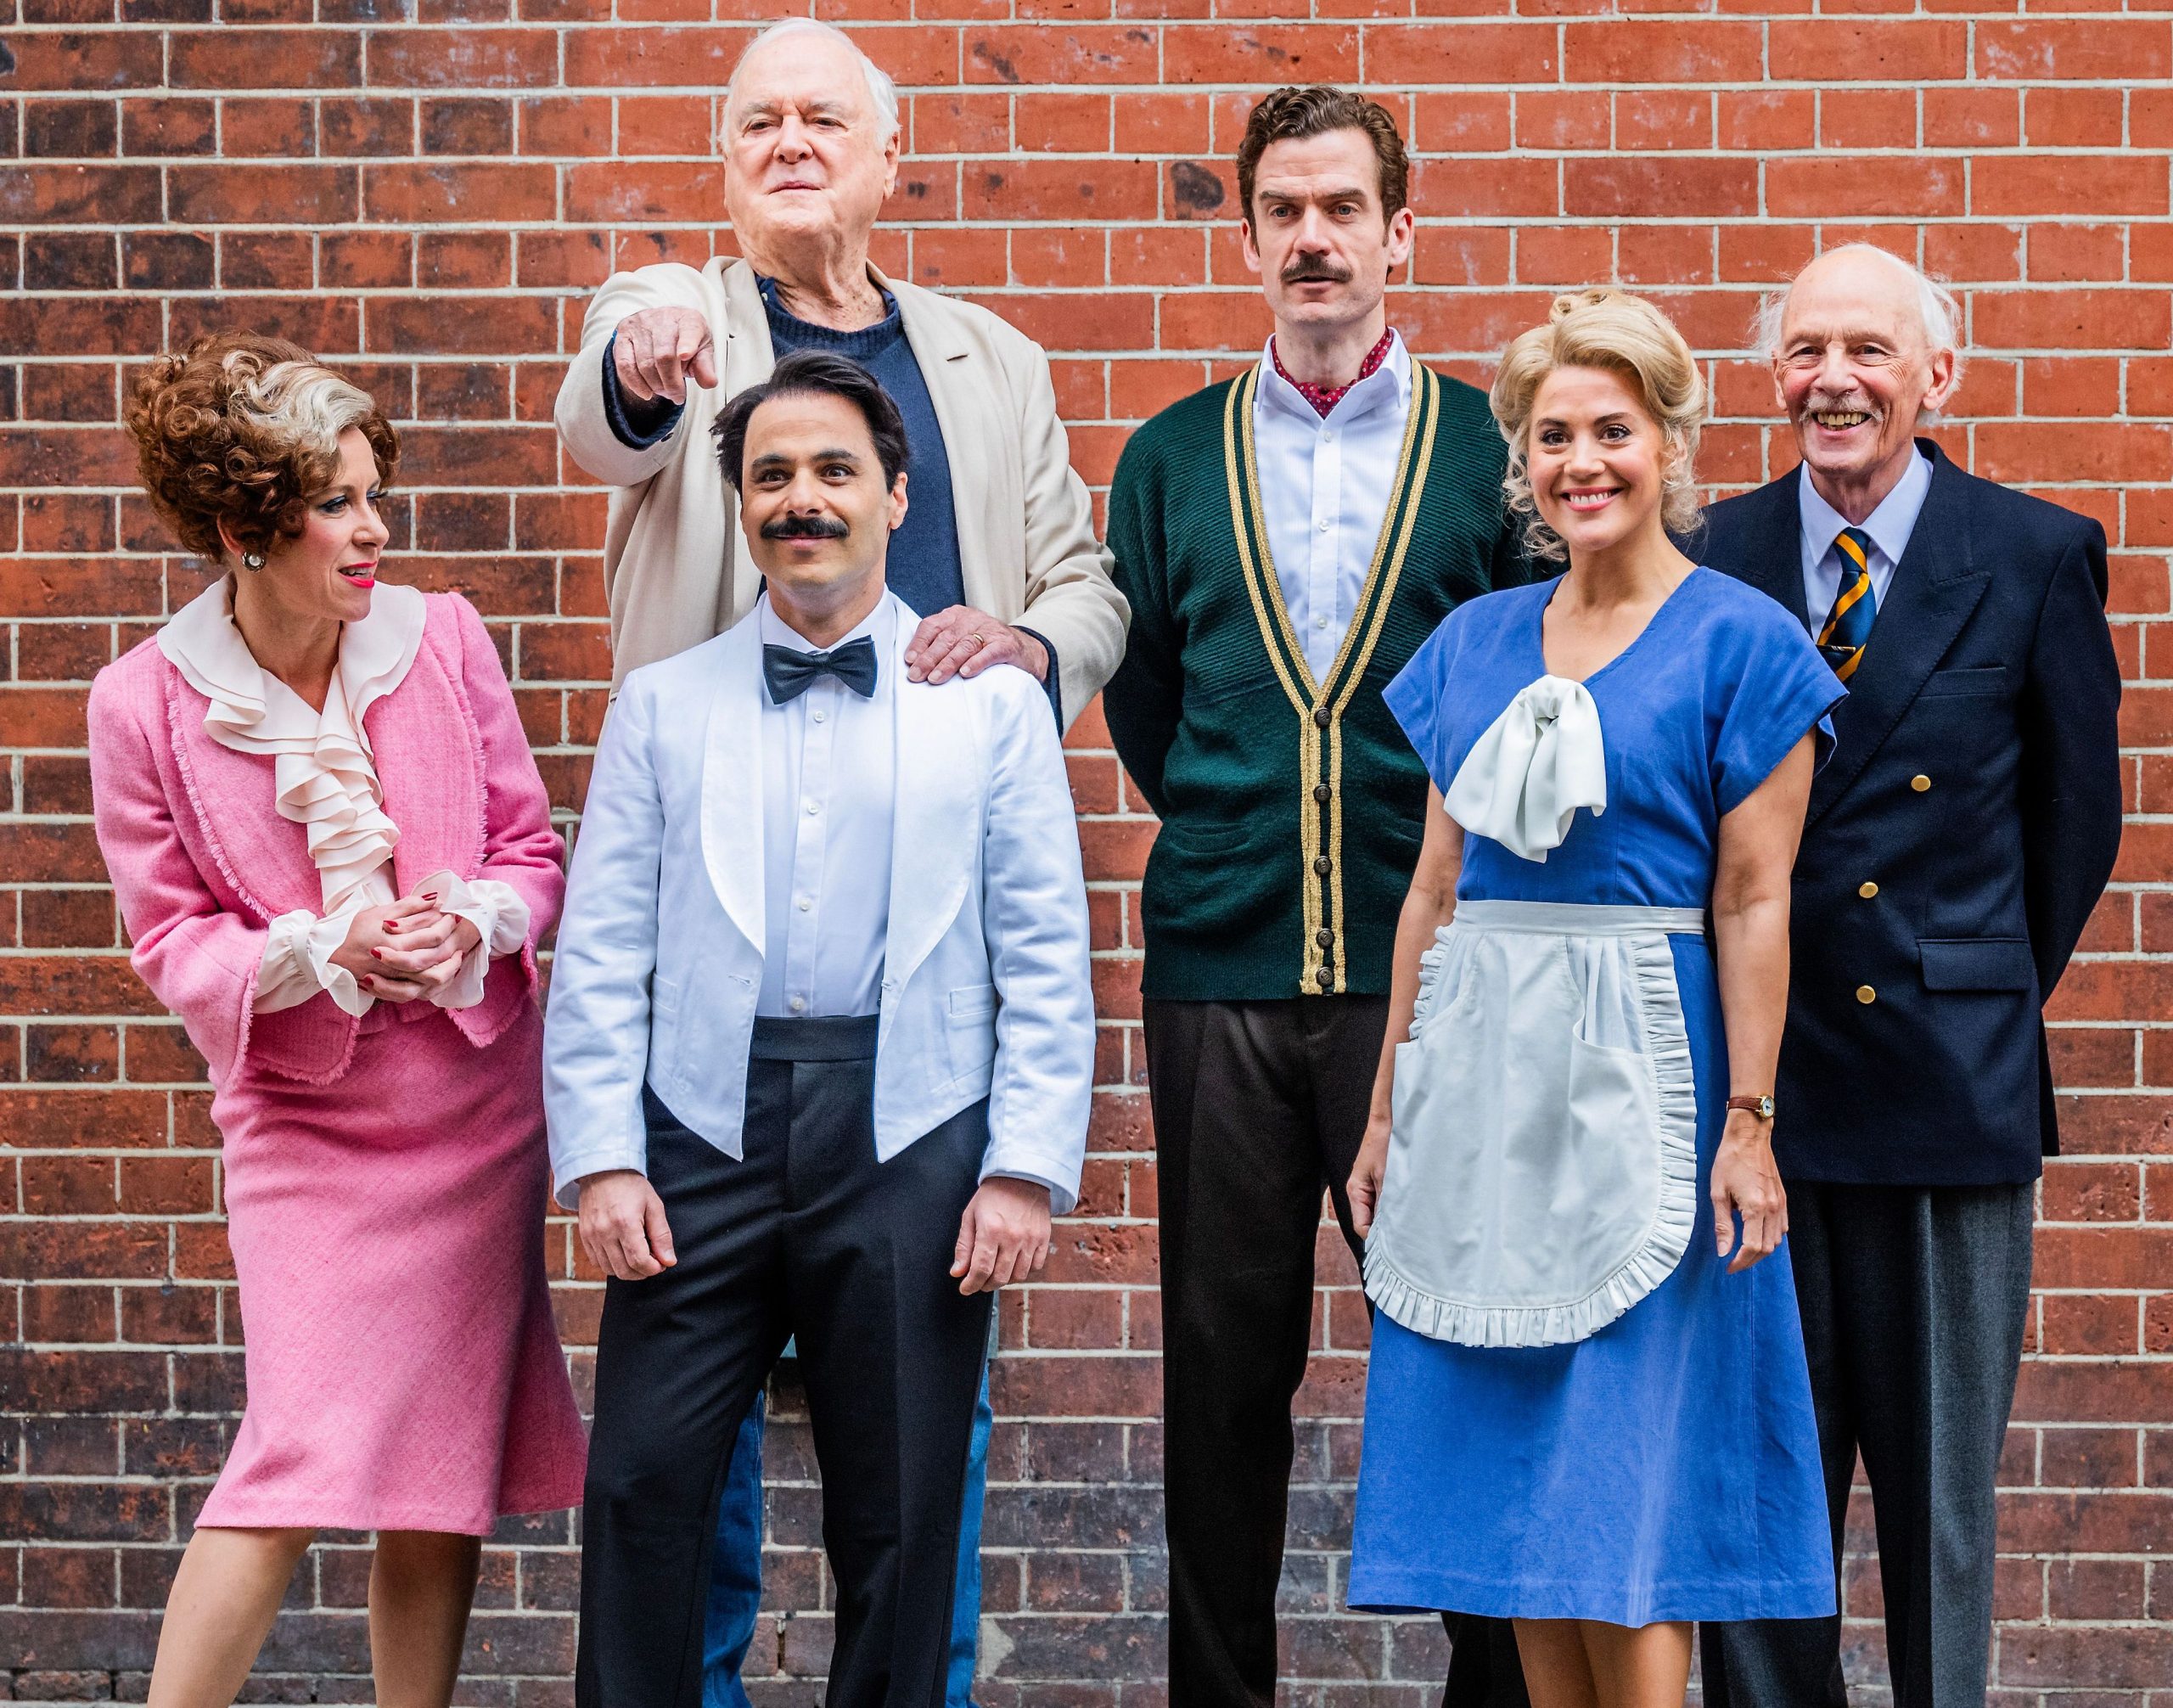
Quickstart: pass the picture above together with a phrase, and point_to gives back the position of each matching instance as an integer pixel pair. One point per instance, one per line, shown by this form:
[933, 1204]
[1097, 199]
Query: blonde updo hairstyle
[245, 429]
[1611, 329]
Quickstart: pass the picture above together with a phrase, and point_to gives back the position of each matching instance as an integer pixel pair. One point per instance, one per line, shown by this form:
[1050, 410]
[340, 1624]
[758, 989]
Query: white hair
[1937, 311]
[882, 92]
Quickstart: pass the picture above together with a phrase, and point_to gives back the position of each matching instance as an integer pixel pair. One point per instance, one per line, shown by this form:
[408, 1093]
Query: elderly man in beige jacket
[998, 552]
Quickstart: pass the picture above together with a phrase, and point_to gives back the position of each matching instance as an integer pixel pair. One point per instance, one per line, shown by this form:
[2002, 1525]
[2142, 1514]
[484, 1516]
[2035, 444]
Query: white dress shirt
[1325, 483]
[829, 779]
[1888, 527]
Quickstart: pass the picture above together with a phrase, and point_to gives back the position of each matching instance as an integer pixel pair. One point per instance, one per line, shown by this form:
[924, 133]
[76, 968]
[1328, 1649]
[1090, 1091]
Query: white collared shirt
[1889, 528]
[829, 779]
[1325, 483]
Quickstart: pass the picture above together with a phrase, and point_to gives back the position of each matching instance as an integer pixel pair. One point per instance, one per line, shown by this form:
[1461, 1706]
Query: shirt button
[804, 904]
[1920, 783]
[1866, 995]
[1320, 622]
[798, 1004]
[820, 716]
[1328, 437]
[1324, 525]
[813, 807]
[1867, 889]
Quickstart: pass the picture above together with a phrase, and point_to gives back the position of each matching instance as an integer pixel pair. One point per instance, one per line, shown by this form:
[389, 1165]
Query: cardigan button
[1320, 793]
[1866, 995]
[1324, 937]
[1321, 865]
[1320, 717]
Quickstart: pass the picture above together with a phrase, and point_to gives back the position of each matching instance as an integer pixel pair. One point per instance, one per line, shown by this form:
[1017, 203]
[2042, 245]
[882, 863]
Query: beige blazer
[675, 566]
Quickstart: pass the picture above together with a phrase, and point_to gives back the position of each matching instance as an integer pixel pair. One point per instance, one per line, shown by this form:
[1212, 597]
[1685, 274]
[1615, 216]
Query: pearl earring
[255, 560]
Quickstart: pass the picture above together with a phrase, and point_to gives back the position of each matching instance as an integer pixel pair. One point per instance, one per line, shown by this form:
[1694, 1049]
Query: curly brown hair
[244, 429]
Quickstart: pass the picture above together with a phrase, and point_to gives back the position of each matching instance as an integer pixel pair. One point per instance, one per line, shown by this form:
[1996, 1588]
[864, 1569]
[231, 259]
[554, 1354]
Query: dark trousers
[807, 1235]
[1257, 1106]
[1914, 1302]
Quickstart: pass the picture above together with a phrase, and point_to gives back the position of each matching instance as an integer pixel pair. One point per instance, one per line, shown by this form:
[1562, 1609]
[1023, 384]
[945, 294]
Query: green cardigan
[1291, 810]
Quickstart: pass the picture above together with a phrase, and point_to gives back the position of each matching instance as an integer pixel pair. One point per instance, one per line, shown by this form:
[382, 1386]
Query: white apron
[1542, 1165]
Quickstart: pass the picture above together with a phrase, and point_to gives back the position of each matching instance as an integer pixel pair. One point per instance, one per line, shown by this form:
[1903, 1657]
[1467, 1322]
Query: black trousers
[1257, 1106]
[806, 1235]
[1914, 1301]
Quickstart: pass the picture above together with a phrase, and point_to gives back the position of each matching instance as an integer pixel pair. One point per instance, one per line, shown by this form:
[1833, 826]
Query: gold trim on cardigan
[1320, 707]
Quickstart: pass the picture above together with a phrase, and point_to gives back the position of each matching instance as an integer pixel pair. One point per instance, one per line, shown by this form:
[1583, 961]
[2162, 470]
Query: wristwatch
[1762, 1107]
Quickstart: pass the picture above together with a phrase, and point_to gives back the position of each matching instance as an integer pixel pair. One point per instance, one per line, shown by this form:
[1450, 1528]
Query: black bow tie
[790, 673]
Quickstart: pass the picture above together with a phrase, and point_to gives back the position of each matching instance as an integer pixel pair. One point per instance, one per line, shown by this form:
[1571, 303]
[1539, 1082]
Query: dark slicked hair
[1291, 115]
[815, 374]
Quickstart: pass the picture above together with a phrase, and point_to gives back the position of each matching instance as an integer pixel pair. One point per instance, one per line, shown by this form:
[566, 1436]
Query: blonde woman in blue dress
[1587, 1409]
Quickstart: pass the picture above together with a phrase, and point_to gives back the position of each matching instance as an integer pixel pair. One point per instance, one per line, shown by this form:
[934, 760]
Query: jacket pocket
[1978, 963]
[973, 1002]
[1952, 684]
[969, 1031]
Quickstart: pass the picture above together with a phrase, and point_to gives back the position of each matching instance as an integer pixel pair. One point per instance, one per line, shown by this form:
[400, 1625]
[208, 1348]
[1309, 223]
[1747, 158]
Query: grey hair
[881, 91]
[1937, 310]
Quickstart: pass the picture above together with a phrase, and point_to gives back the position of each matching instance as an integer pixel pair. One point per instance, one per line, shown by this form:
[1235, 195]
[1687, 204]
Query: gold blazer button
[1867, 889]
[1920, 783]
[1866, 995]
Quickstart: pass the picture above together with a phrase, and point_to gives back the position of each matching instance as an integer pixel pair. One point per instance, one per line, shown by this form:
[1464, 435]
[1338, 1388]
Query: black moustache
[806, 528]
[1313, 272]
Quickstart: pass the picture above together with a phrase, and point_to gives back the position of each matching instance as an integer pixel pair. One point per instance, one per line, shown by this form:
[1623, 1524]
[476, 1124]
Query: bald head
[1863, 352]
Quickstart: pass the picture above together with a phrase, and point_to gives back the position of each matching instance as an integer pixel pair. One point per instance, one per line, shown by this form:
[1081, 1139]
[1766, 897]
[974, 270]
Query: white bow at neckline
[1522, 781]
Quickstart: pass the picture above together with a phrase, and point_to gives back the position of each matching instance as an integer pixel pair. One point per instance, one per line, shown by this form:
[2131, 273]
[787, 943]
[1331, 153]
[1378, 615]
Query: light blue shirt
[1889, 528]
[1325, 484]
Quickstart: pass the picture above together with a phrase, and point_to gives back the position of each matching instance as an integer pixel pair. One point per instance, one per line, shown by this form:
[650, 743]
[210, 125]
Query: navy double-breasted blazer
[1956, 842]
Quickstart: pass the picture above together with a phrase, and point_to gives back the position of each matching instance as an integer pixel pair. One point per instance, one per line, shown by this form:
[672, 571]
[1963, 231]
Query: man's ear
[898, 500]
[1248, 242]
[1939, 385]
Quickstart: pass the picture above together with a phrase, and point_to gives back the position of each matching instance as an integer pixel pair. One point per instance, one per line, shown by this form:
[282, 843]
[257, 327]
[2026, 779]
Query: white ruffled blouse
[325, 780]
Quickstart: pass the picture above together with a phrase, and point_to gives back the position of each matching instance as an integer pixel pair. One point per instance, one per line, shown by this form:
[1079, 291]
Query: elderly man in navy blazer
[1955, 846]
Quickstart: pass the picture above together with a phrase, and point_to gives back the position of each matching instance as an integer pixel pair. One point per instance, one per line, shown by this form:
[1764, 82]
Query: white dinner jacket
[985, 986]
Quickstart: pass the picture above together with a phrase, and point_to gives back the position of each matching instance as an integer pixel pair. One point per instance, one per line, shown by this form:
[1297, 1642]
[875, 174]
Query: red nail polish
[379, 954]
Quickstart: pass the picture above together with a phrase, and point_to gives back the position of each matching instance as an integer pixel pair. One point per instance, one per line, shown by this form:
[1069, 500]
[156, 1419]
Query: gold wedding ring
[977, 641]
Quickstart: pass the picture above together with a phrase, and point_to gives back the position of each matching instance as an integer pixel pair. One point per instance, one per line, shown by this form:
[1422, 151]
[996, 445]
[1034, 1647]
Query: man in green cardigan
[1287, 539]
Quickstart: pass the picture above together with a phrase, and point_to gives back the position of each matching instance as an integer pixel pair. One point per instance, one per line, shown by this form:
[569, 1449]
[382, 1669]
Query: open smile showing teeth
[1589, 501]
[1840, 420]
[359, 572]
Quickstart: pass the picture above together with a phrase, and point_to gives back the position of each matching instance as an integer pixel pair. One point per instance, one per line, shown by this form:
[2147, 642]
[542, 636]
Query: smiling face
[1855, 371]
[325, 573]
[1597, 461]
[804, 153]
[814, 504]
[1315, 232]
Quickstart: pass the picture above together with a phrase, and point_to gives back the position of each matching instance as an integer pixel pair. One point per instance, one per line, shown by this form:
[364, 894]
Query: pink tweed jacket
[202, 863]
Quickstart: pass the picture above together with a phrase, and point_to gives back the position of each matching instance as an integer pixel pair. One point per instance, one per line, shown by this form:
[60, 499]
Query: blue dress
[1666, 1468]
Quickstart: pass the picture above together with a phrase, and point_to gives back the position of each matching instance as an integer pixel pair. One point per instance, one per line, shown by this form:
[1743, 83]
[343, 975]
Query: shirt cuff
[636, 423]
[297, 962]
[1054, 686]
[501, 919]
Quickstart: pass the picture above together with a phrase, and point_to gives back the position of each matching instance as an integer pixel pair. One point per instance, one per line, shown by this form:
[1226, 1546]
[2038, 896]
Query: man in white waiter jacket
[818, 1061]
[998, 556]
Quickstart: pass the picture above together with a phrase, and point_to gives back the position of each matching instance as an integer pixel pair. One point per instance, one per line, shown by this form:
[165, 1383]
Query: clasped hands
[406, 948]
[1003, 1236]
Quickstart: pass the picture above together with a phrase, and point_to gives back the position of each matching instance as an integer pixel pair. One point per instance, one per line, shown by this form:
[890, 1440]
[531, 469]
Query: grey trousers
[1914, 1302]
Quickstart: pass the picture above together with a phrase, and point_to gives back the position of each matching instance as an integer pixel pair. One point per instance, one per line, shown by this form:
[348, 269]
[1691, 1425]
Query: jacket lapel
[1772, 557]
[1937, 585]
[432, 789]
[936, 821]
[731, 782]
[746, 360]
[264, 857]
[985, 480]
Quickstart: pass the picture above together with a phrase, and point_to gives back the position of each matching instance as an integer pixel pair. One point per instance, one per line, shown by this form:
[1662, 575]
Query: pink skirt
[404, 1372]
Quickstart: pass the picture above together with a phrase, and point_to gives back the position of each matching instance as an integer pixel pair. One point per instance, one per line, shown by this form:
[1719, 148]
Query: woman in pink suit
[334, 857]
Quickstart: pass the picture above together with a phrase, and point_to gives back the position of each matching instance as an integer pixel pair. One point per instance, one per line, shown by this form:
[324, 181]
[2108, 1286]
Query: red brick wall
[428, 190]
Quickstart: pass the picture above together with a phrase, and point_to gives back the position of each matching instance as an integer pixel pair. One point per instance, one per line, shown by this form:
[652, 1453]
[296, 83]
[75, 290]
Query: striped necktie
[1855, 607]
